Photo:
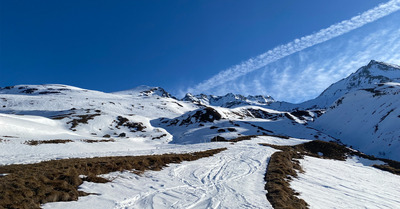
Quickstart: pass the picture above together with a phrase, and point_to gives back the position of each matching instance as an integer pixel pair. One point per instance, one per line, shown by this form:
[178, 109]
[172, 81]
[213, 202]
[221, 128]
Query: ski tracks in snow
[230, 179]
[233, 178]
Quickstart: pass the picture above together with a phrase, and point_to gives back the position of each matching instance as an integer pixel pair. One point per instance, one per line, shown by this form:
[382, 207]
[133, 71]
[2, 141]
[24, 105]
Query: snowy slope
[366, 119]
[346, 184]
[16, 131]
[32, 127]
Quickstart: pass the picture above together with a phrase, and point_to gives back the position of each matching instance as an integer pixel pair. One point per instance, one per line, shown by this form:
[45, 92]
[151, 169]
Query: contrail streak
[297, 45]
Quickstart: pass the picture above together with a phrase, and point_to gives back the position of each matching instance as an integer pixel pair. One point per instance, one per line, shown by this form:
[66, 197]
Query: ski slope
[231, 179]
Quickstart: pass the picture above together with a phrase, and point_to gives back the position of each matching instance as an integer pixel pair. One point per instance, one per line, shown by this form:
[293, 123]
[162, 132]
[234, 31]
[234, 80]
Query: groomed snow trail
[231, 179]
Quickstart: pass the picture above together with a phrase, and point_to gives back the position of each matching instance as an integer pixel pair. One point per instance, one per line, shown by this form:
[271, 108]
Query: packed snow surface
[346, 184]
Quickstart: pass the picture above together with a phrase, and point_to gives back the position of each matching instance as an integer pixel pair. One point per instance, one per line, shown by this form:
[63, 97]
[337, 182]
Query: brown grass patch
[53, 141]
[28, 186]
[284, 165]
[391, 166]
[97, 140]
[241, 138]
[317, 148]
[388, 168]
[281, 168]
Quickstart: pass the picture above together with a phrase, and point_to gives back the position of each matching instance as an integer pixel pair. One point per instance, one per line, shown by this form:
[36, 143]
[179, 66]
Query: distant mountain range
[362, 111]
[229, 100]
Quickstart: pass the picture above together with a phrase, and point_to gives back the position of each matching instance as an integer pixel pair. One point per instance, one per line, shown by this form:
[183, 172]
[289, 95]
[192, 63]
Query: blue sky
[117, 45]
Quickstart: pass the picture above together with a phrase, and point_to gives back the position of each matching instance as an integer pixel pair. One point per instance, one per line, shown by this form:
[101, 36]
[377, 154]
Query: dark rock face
[157, 91]
[205, 115]
[133, 127]
[218, 139]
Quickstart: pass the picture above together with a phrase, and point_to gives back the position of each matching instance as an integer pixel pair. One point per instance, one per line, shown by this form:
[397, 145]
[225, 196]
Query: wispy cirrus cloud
[282, 51]
[306, 74]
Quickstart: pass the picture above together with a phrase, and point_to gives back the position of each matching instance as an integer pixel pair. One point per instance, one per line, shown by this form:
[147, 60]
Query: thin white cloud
[297, 45]
[306, 74]
[307, 78]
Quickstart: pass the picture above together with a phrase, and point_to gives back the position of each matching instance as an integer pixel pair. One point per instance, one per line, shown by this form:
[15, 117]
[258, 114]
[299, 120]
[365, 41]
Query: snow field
[231, 179]
[346, 184]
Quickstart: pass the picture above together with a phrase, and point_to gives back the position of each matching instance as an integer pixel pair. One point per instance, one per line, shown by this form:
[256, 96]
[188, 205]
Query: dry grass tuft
[388, 168]
[53, 141]
[241, 138]
[97, 140]
[281, 167]
[391, 166]
[284, 165]
[317, 148]
[28, 186]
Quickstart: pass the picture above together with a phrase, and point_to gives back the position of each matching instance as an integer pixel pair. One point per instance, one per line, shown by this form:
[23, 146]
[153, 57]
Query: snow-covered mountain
[367, 119]
[147, 112]
[93, 113]
[361, 109]
[365, 77]
[229, 100]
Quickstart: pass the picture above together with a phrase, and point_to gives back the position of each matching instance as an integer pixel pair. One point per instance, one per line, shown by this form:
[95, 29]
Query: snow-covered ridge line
[373, 73]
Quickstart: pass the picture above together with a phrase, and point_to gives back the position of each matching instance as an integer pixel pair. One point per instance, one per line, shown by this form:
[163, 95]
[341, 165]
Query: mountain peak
[368, 76]
[373, 62]
[378, 71]
[382, 66]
